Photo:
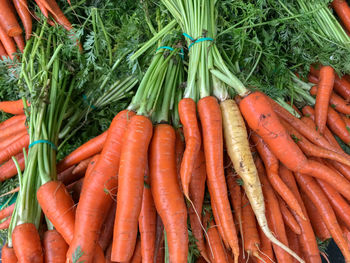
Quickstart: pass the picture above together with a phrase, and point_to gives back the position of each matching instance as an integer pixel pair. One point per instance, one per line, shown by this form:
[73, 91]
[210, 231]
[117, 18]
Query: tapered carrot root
[11, 130]
[133, 162]
[167, 196]
[211, 120]
[20, 44]
[293, 241]
[12, 107]
[8, 19]
[26, 243]
[12, 139]
[240, 154]
[12, 120]
[342, 8]
[218, 223]
[337, 125]
[106, 234]
[8, 169]
[85, 151]
[7, 211]
[8, 43]
[80, 169]
[271, 164]
[314, 192]
[288, 218]
[8, 254]
[14, 149]
[188, 118]
[23, 12]
[55, 248]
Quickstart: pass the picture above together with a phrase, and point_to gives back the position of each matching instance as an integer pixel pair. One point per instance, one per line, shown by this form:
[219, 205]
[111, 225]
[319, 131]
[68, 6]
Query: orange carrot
[23, 12]
[3, 53]
[335, 101]
[8, 19]
[266, 252]
[80, 169]
[133, 162]
[8, 169]
[324, 91]
[147, 222]
[318, 198]
[75, 189]
[159, 246]
[67, 177]
[6, 211]
[293, 241]
[188, 118]
[26, 243]
[288, 217]
[98, 189]
[337, 125]
[12, 107]
[137, 256]
[235, 195]
[12, 130]
[271, 164]
[6, 223]
[274, 215]
[167, 196]
[14, 149]
[11, 139]
[8, 254]
[12, 120]
[8, 43]
[106, 233]
[211, 120]
[342, 9]
[307, 238]
[179, 151]
[219, 224]
[262, 119]
[54, 9]
[55, 248]
[83, 152]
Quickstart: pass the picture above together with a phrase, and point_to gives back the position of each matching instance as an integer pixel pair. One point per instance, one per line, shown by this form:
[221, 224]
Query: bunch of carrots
[11, 32]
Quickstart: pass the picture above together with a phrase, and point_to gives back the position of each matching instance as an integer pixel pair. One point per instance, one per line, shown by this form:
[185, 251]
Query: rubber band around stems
[182, 53]
[87, 101]
[195, 41]
[53, 146]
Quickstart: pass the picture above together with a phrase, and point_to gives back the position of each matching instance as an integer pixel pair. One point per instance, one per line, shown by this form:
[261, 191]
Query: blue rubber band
[182, 53]
[194, 41]
[87, 101]
[53, 146]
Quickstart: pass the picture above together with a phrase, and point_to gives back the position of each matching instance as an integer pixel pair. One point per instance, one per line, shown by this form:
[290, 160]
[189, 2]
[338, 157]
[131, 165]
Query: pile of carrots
[11, 33]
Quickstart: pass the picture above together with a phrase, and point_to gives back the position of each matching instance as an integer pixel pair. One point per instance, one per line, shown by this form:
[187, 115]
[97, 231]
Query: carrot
[54, 9]
[95, 200]
[167, 196]
[188, 118]
[295, 108]
[3, 53]
[179, 151]
[271, 164]
[324, 91]
[343, 11]
[55, 248]
[262, 119]
[8, 169]
[8, 19]
[7, 211]
[12, 120]
[318, 224]
[238, 146]
[335, 101]
[313, 150]
[12, 107]
[20, 43]
[288, 217]
[346, 120]
[250, 230]
[12, 130]
[341, 85]
[106, 233]
[83, 152]
[273, 214]
[108, 253]
[14, 149]
[80, 169]
[8, 254]
[7, 42]
[137, 256]
[11, 139]
[218, 223]
[211, 120]
[338, 126]
[293, 240]
[307, 238]
[26, 243]
[340, 206]
[159, 244]
[67, 177]
[214, 242]
[92, 164]
[75, 189]
[133, 162]
[147, 222]
[5, 224]
[318, 198]
[266, 252]
[23, 12]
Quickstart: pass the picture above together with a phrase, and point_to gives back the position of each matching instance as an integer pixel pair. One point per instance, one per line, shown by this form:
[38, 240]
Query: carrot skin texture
[218, 223]
[106, 234]
[265, 248]
[12, 131]
[219, 253]
[26, 243]
[211, 120]
[133, 162]
[12, 107]
[3, 54]
[102, 183]
[80, 169]
[147, 222]
[166, 193]
[8, 254]
[235, 195]
[314, 192]
[14, 149]
[293, 241]
[337, 125]
[67, 177]
[55, 247]
[12, 120]
[8, 43]
[7, 211]
[8, 169]
[307, 238]
[6, 223]
[342, 8]
[11, 139]
[288, 218]
[88, 149]
[22, 10]
[19, 40]
[188, 118]
[196, 192]
[8, 19]
[318, 224]
[179, 151]
[325, 87]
